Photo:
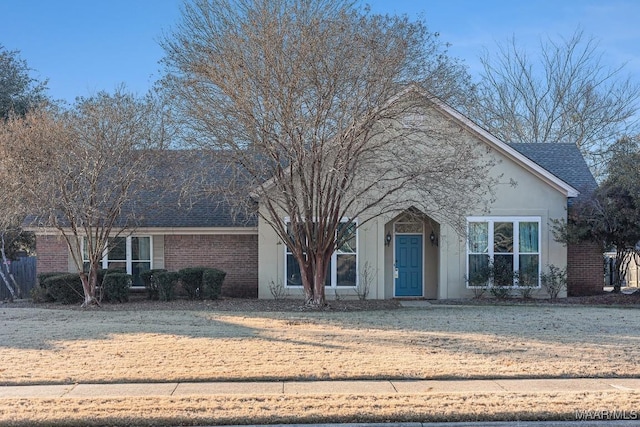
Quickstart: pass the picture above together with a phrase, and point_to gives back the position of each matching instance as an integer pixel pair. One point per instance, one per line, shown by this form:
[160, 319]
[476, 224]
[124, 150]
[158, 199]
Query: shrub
[191, 278]
[40, 294]
[555, 281]
[65, 288]
[150, 283]
[115, 287]
[212, 279]
[44, 276]
[166, 282]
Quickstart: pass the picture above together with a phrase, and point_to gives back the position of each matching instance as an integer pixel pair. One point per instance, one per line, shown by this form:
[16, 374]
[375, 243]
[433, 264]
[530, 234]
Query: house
[407, 254]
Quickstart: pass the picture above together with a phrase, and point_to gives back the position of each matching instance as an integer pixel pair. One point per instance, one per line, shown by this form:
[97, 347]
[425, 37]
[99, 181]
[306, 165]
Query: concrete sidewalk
[177, 389]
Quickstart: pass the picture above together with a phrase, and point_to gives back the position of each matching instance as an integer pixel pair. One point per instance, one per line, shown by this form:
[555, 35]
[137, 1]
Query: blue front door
[408, 265]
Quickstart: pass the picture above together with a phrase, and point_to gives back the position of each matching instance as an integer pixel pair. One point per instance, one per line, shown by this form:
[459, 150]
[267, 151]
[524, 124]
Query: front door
[408, 265]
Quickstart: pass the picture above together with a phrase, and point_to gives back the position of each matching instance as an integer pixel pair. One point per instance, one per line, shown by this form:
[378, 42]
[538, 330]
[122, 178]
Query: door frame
[395, 234]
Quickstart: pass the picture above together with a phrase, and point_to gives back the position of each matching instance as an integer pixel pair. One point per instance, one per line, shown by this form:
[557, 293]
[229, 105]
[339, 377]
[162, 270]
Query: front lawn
[52, 346]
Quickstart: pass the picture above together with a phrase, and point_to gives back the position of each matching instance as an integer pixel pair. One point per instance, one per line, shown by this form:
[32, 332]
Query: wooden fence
[24, 271]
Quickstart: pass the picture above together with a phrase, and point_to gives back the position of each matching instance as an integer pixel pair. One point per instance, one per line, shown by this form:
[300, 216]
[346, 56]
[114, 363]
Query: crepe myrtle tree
[85, 170]
[320, 109]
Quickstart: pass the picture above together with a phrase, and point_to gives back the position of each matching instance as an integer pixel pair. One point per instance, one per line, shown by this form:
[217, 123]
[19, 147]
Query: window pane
[346, 270]
[503, 270]
[408, 227]
[327, 278]
[478, 270]
[503, 237]
[136, 269]
[117, 249]
[293, 272]
[528, 237]
[349, 245]
[479, 237]
[117, 265]
[141, 248]
[529, 267]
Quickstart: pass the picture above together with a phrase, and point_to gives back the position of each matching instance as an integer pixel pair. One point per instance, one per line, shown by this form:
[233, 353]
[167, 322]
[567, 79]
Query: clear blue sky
[84, 46]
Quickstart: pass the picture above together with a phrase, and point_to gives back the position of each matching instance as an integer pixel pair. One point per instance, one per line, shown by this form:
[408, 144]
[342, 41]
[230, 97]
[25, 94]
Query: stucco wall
[519, 193]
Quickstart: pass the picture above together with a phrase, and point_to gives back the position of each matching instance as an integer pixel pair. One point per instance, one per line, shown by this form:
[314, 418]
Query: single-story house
[406, 256]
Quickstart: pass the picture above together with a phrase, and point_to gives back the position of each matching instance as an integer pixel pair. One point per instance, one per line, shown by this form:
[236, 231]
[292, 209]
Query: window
[509, 245]
[131, 254]
[342, 269]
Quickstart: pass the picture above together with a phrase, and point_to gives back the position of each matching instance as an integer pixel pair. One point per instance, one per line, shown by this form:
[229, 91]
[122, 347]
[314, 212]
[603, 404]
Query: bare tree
[565, 94]
[84, 171]
[19, 92]
[321, 111]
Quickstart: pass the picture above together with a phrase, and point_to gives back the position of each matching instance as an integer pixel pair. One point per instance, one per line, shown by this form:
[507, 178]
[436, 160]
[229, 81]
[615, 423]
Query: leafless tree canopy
[321, 109]
[565, 94]
[82, 170]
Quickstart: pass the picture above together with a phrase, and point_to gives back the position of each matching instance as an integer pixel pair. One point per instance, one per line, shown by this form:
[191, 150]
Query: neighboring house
[405, 257]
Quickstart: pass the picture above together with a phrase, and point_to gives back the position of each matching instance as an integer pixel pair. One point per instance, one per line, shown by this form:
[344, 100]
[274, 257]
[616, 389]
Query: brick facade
[53, 254]
[585, 269]
[237, 255]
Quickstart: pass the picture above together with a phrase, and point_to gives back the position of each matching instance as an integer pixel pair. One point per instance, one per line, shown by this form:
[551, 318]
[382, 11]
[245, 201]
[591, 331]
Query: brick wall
[585, 274]
[53, 254]
[235, 254]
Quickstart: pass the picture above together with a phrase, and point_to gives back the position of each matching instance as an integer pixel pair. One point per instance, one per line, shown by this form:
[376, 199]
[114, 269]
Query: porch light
[387, 240]
[433, 238]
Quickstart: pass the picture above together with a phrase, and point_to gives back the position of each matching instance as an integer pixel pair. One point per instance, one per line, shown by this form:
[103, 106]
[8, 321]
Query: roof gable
[506, 149]
[564, 161]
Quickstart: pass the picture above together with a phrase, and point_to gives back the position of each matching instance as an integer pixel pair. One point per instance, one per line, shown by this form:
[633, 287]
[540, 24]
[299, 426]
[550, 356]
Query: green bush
[166, 282]
[191, 278]
[212, 282]
[65, 288]
[115, 287]
[150, 283]
[44, 276]
[39, 295]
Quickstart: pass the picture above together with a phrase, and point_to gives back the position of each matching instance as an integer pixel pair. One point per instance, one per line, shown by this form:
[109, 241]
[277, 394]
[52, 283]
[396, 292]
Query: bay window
[508, 246]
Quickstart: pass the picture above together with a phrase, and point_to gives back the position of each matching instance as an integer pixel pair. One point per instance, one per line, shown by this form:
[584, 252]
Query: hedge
[191, 278]
[115, 287]
[212, 282]
[166, 282]
[65, 288]
[148, 277]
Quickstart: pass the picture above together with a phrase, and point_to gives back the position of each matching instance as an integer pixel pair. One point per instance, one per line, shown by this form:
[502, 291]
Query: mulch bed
[139, 303]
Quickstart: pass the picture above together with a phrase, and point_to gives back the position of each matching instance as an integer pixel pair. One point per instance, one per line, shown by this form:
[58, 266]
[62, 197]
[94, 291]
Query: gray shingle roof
[177, 204]
[564, 161]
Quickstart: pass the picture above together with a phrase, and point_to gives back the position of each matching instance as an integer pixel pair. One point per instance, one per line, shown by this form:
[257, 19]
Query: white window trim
[516, 242]
[104, 262]
[334, 262]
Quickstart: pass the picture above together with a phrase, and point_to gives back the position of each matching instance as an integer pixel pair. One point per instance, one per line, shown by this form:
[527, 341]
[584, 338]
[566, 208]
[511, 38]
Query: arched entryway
[414, 254]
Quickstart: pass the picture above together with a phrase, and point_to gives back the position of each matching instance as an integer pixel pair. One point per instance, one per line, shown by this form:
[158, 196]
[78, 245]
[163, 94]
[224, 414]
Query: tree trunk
[8, 285]
[5, 264]
[89, 286]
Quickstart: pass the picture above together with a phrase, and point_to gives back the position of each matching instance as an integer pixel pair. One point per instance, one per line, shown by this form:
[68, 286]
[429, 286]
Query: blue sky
[84, 46]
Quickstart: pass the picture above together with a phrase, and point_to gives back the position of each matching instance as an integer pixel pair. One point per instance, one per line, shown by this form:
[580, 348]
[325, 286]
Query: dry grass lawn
[49, 346]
